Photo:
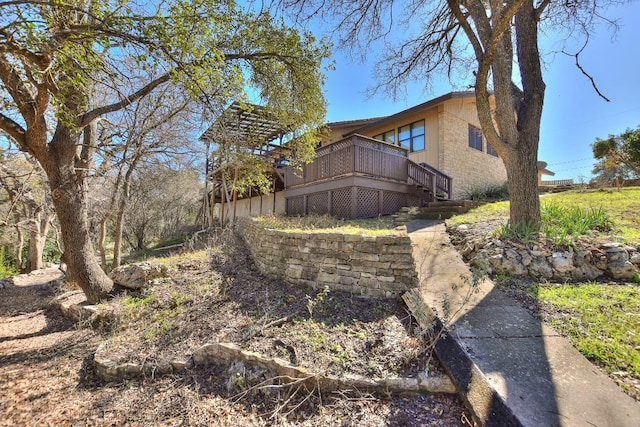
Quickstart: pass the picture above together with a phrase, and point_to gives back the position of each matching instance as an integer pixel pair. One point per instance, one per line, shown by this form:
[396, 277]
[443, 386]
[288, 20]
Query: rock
[562, 262]
[6, 283]
[622, 270]
[507, 262]
[540, 268]
[136, 276]
[612, 247]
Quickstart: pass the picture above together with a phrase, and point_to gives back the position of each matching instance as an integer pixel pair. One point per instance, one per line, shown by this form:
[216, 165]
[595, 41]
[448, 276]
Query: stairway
[445, 209]
[433, 210]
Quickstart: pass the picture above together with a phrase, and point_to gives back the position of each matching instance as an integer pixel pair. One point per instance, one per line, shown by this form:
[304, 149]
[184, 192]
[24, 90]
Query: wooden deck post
[354, 202]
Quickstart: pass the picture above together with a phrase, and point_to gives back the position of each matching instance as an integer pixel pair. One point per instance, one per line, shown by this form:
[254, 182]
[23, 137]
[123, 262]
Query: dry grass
[48, 376]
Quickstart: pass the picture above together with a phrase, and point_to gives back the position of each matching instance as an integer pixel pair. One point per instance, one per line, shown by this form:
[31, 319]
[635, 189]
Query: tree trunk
[117, 234]
[37, 240]
[101, 239]
[82, 266]
[522, 175]
[69, 194]
[512, 126]
[19, 246]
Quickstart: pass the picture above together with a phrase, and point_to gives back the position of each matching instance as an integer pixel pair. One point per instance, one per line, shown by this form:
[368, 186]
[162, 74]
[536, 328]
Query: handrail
[442, 181]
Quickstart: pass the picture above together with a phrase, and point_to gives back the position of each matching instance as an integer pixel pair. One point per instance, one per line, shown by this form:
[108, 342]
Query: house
[371, 167]
[445, 134]
[542, 170]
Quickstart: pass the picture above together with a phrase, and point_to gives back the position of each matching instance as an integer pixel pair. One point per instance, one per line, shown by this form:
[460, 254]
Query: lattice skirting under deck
[349, 202]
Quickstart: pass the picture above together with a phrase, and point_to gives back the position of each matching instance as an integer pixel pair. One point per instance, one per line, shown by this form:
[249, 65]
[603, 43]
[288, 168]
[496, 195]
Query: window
[491, 151]
[389, 136]
[411, 136]
[475, 138]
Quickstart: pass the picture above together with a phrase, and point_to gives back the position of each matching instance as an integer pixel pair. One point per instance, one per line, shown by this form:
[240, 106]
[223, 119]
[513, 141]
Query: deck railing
[357, 155]
[442, 181]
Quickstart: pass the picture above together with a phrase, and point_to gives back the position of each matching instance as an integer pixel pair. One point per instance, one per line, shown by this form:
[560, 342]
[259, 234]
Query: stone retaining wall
[583, 261]
[379, 266]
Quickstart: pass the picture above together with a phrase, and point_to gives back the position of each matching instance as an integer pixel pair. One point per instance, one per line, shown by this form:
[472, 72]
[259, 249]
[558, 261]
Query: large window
[389, 137]
[411, 136]
[475, 138]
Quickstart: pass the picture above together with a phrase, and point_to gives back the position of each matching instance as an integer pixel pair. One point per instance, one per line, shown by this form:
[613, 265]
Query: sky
[573, 116]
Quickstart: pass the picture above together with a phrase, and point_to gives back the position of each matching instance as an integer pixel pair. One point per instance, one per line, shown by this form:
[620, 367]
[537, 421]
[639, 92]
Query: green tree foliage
[62, 70]
[619, 152]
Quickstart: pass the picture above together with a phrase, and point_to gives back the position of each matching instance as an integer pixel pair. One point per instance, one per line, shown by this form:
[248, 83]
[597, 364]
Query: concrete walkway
[510, 367]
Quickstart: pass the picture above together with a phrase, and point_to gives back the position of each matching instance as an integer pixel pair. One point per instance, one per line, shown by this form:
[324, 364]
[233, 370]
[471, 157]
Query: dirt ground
[46, 360]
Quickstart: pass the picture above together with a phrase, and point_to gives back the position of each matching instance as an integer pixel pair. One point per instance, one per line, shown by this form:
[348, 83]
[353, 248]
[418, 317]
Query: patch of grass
[315, 336]
[484, 212]
[134, 303]
[176, 258]
[602, 321]
[6, 265]
[618, 207]
[521, 231]
[563, 224]
[328, 224]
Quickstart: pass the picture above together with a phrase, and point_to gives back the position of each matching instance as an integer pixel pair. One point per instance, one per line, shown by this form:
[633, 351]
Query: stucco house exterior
[374, 166]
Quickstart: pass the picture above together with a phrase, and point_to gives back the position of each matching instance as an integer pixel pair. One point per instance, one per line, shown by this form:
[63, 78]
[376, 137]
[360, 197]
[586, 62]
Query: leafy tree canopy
[214, 49]
[66, 64]
[620, 150]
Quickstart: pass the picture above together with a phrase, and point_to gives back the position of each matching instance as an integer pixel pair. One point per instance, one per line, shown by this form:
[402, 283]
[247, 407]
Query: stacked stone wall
[582, 261]
[378, 266]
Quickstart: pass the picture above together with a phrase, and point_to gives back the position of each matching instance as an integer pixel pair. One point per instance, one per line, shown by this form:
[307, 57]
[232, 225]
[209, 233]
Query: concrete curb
[486, 405]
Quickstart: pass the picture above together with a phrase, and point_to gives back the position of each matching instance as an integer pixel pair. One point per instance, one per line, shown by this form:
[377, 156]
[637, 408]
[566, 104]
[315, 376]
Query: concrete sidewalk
[510, 368]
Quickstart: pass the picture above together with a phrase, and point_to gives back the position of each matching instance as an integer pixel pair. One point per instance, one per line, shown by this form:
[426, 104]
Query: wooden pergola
[256, 130]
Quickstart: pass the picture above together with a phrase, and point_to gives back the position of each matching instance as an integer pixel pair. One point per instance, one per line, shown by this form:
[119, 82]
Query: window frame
[384, 136]
[414, 136]
[475, 137]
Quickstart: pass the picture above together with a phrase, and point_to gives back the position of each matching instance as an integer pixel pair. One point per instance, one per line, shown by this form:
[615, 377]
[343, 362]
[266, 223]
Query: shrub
[7, 268]
[490, 192]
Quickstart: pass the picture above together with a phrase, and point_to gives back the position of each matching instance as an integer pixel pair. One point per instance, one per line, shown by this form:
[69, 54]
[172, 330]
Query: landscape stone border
[73, 304]
[377, 266]
[227, 353]
[583, 260]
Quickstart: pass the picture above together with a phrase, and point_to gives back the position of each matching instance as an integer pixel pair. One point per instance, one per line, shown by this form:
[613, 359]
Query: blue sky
[574, 115]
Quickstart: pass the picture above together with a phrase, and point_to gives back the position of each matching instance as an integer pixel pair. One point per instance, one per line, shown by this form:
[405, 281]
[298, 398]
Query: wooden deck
[361, 177]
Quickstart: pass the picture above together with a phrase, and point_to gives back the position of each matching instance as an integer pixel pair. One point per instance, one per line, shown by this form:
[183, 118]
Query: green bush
[564, 224]
[491, 192]
[7, 264]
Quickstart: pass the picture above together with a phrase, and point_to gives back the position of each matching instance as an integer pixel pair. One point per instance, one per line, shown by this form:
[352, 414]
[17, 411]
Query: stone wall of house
[471, 169]
[378, 266]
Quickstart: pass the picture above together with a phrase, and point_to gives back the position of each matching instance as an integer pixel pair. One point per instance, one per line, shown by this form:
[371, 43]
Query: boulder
[6, 283]
[136, 276]
[622, 270]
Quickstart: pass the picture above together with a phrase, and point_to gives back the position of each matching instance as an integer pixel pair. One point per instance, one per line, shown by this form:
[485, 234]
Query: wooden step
[434, 215]
[466, 203]
[449, 208]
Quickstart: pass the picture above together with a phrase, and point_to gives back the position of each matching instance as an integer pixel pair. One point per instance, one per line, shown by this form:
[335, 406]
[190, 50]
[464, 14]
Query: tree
[158, 127]
[162, 201]
[56, 57]
[620, 152]
[498, 40]
[606, 172]
[28, 207]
